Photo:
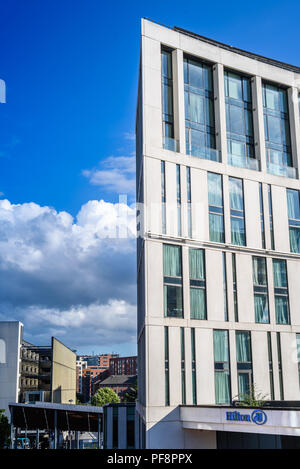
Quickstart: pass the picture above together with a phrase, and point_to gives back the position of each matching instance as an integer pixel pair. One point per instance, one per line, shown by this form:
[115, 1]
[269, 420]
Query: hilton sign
[259, 417]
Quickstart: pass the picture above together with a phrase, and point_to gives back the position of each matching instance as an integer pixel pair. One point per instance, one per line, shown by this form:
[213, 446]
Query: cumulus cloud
[73, 278]
[115, 174]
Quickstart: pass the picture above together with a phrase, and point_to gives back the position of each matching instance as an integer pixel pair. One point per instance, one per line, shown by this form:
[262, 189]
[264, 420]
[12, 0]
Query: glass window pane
[261, 308]
[222, 387]
[279, 271]
[243, 347]
[293, 204]
[172, 260]
[234, 86]
[216, 228]
[197, 268]
[215, 192]
[221, 350]
[236, 194]
[236, 120]
[195, 74]
[282, 309]
[173, 301]
[198, 303]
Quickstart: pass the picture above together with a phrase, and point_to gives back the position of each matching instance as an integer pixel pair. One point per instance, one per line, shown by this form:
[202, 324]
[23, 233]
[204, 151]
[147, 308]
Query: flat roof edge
[213, 42]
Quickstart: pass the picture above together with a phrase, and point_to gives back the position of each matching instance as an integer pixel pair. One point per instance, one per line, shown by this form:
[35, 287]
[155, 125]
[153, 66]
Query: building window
[194, 382]
[167, 380]
[189, 200]
[262, 219]
[197, 284]
[173, 304]
[277, 131]
[216, 207]
[244, 363]
[235, 300]
[260, 287]
[280, 366]
[178, 192]
[298, 354]
[294, 219]
[130, 427]
[115, 437]
[199, 110]
[237, 214]
[182, 346]
[239, 121]
[281, 292]
[225, 286]
[271, 374]
[222, 368]
[167, 100]
[271, 217]
[163, 196]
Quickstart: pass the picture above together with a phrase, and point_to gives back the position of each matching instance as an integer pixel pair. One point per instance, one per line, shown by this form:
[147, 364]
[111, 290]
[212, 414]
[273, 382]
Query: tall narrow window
[182, 344]
[199, 110]
[281, 292]
[271, 217]
[194, 382]
[222, 368]
[189, 200]
[277, 131]
[167, 380]
[239, 121]
[130, 411]
[115, 432]
[237, 214]
[298, 355]
[271, 374]
[173, 304]
[260, 287]
[178, 191]
[163, 197]
[244, 363]
[216, 207]
[294, 219]
[225, 286]
[167, 100]
[280, 366]
[262, 219]
[235, 300]
[197, 284]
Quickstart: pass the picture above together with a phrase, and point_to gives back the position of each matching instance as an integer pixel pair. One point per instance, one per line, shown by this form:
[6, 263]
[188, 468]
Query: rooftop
[251, 55]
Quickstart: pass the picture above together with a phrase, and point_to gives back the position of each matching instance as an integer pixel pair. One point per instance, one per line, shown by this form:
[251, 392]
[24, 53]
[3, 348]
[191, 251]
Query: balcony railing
[170, 144]
[203, 152]
[243, 162]
[277, 164]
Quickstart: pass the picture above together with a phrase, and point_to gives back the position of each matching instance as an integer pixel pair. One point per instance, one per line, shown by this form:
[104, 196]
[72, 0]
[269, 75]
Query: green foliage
[131, 395]
[252, 398]
[105, 396]
[4, 430]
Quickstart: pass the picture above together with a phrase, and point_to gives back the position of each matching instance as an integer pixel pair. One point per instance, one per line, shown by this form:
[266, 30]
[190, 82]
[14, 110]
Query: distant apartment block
[30, 373]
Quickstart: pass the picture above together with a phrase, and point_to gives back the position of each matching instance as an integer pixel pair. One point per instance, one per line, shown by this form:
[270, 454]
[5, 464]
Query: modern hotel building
[218, 157]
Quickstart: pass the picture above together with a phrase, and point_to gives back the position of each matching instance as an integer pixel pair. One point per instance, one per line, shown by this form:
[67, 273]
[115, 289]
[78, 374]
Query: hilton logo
[258, 417]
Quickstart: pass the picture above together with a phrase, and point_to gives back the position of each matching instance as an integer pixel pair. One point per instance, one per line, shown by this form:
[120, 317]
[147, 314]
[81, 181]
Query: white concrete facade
[10, 359]
[161, 425]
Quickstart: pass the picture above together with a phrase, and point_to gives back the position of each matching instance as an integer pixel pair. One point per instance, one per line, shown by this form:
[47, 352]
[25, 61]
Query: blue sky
[66, 136]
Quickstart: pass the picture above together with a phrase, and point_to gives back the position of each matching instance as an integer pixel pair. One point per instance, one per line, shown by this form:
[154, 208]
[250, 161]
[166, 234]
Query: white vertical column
[188, 366]
[178, 93]
[293, 107]
[220, 112]
[258, 122]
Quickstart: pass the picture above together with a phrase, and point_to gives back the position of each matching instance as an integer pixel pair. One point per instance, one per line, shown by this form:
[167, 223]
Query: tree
[4, 430]
[252, 398]
[105, 396]
[131, 395]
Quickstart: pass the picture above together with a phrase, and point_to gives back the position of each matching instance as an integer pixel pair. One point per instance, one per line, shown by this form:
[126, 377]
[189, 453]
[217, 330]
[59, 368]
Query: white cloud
[116, 174]
[71, 278]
